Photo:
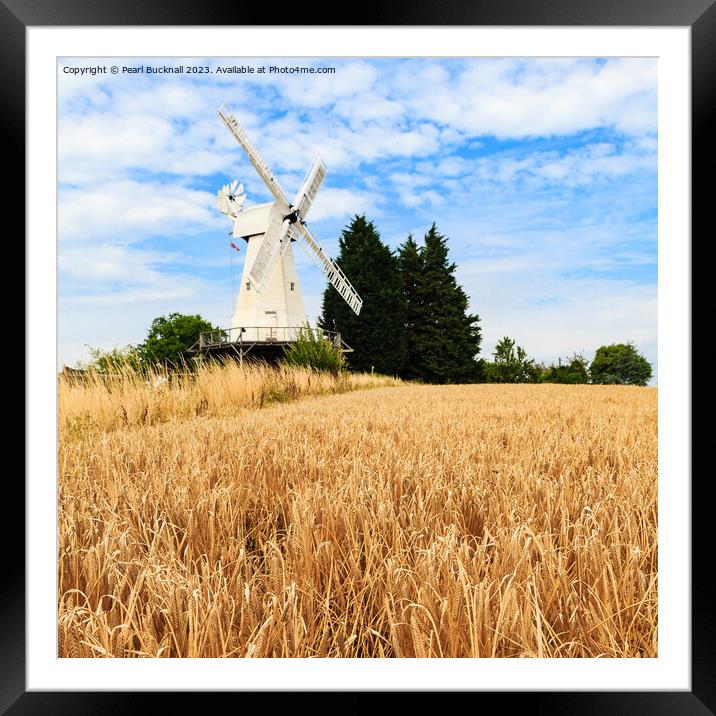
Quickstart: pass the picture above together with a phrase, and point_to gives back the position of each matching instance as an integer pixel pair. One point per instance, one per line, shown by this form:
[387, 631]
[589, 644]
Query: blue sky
[542, 173]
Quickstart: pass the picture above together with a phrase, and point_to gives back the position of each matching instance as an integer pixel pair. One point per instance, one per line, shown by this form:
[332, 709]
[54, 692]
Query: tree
[621, 364]
[311, 350]
[511, 364]
[410, 265]
[377, 336]
[574, 372]
[443, 338]
[113, 360]
[169, 340]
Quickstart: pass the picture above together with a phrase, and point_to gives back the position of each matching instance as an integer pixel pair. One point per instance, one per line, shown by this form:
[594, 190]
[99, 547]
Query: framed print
[284, 470]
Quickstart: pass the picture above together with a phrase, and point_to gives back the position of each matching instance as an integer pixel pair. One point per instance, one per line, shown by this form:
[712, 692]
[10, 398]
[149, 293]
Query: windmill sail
[255, 158]
[274, 243]
[309, 187]
[332, 271]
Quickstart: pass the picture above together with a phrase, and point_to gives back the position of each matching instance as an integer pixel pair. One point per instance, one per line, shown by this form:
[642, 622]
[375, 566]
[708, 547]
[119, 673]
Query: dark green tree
[573, 372]
[511, 364]
[445, 338]
[377, 335]
[621, 364]
[410, 265]
[169, 340]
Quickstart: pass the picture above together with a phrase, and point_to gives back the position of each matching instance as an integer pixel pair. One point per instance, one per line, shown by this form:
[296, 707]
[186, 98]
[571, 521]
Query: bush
[311, 350]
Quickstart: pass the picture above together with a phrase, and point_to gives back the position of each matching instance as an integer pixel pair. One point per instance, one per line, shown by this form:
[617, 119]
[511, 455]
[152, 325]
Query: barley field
[197, 519]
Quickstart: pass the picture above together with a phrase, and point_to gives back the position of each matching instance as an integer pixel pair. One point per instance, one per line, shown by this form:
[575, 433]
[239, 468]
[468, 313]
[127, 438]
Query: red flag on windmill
[234, 246]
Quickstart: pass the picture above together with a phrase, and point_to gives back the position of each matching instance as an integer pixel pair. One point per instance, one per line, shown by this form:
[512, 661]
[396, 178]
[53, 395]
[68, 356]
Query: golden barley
[404, 520]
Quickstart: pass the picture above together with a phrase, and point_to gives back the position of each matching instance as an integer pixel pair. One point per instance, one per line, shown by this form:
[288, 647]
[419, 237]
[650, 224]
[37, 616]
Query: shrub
[312, 350]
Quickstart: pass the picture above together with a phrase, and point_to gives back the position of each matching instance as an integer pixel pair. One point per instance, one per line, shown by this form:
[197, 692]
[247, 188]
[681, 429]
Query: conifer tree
[445, 338]
[410, 264]
[377, 335]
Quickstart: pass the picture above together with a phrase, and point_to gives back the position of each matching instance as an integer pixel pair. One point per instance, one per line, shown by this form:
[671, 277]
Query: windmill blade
[270, 251]
[333, 272]
[309, 188]
[222, 201]
[229, 203]
[239, 133]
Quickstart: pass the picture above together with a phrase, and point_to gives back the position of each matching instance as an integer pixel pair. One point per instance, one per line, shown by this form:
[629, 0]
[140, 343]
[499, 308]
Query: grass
[404, 521]
[99, 402]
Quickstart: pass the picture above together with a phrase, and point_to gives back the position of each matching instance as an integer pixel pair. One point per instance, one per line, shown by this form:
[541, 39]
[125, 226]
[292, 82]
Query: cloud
[111, 265]
[510, 98]
[354, 79]
[128, 211]
[289, 143]
[464, 181]
[102, 145]
[343, 203]
[365, 112]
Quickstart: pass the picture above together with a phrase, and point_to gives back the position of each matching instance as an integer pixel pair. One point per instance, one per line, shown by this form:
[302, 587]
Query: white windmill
[269, 306]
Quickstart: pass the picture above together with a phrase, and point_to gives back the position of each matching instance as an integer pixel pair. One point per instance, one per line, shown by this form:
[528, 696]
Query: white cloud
[290, 144]
[525, 98]
[362, 113]
[533, 171]
[354, 78]
[343, 203]
[127, 211]
[106, 264]
[103, 145]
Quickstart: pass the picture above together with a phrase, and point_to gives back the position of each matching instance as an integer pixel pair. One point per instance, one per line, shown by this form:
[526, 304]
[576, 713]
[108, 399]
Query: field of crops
[202, 520]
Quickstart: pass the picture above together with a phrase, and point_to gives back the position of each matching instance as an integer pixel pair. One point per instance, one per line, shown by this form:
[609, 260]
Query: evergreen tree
[445, 338]
[410, 264]
[377, 336]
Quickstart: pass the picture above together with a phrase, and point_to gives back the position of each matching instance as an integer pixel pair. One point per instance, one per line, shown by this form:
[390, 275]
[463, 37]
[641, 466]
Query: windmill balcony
[261, 334]
[258, 339]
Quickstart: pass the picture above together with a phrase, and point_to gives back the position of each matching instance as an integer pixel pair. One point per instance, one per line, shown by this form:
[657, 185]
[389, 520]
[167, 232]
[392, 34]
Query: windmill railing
[239, 335]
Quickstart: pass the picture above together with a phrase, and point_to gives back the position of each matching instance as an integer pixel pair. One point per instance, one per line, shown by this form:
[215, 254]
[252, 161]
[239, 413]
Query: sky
[542, 173]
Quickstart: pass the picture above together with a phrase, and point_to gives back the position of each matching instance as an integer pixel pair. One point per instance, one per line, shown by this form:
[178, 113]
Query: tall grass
[412, 521]
[134, 398]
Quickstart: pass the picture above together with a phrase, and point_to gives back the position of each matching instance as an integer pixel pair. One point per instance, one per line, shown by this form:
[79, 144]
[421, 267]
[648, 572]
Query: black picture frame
[699, 15]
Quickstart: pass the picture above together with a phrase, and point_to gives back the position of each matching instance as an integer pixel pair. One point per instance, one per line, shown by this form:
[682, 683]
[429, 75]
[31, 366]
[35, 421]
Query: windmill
[269, 305]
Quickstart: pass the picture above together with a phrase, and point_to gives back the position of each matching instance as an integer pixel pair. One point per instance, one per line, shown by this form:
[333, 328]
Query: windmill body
[278, 311]
[269, 306]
